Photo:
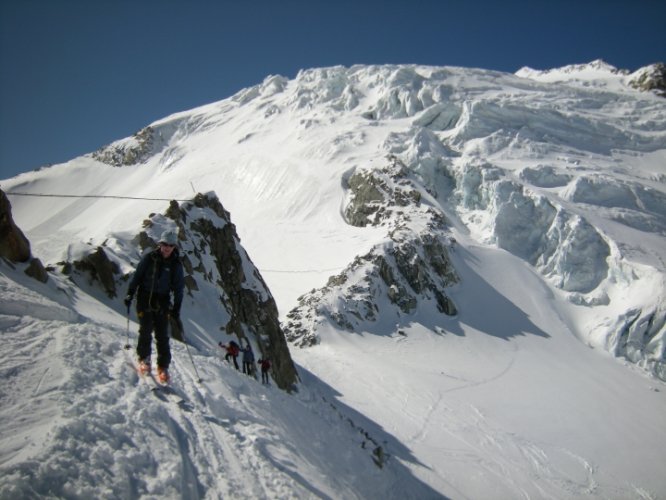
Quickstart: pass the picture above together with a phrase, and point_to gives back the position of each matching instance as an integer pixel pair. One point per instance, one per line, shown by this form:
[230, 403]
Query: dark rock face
[252, 309]
[14, 246]
[101, 269]
[377, 195]
[409, 268]
[36, 270]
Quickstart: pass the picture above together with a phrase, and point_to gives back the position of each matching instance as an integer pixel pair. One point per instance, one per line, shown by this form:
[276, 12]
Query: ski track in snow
[77, 421]
[199, 441]
[503, 456]
[446, 420]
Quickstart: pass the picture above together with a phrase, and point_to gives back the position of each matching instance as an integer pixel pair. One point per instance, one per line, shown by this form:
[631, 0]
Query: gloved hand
[128, 300]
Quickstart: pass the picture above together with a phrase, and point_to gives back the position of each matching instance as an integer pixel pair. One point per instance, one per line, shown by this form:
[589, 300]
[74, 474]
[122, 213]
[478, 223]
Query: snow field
[517, 396]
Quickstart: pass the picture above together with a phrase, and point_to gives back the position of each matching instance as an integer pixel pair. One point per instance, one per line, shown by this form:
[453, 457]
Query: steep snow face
[77, 422]
[525, 166]
[567, 176]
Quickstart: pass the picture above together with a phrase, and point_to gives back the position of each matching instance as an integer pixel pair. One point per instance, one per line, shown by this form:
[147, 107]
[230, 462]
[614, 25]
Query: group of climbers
[159, 276]
[249, 368]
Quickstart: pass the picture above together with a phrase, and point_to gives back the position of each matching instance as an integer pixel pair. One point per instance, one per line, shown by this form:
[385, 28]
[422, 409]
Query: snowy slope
[78, 423]
[544, 384]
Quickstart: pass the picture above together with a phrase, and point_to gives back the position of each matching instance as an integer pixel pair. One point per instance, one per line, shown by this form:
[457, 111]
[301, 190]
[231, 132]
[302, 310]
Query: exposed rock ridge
[252, 309]
[128, 152]
[410, 267]
[216, 271]
[14, 246]
[150, 141]
[651, 79]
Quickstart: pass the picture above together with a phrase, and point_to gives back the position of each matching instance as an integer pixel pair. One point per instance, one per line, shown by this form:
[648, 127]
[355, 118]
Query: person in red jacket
[265, 364]
[233, 349]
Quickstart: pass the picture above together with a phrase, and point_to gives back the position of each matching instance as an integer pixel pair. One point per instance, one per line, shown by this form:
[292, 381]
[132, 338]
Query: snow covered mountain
[469, 267]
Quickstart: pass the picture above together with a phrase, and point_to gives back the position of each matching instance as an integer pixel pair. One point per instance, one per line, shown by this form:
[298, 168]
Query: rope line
[296, 271]
[163, 199]
[90, 196]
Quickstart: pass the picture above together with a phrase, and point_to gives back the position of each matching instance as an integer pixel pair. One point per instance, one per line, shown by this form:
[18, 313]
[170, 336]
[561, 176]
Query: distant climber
[265, 364]
[158, 275]
[233, 350]
[248, 360]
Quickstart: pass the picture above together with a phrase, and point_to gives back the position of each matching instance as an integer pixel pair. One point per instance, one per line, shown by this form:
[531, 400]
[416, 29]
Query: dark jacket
[265, 364]
[158, 276]
[248, 355]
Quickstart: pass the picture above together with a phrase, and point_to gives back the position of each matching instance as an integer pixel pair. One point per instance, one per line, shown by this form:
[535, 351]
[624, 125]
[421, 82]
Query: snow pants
[229, 355]
[153, 317]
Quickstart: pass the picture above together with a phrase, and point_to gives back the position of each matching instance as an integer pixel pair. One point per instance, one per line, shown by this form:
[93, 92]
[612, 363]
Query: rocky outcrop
[128, 152]
[375, 195]
[215, 265]
[14, 246]
[651, 79]
[100, 268]
[36, 270]
[252, 309]
[149, 142]
[410, 269]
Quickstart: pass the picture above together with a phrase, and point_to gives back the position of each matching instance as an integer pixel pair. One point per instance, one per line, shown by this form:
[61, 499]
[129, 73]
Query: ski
[163, 392]
[166, 393]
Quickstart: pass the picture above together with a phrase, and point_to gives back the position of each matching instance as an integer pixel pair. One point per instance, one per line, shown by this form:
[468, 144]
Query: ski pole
[127, 344]
[187, 348]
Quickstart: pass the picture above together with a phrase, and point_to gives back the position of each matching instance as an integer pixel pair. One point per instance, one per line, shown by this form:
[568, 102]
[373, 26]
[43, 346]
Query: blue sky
[78, 74]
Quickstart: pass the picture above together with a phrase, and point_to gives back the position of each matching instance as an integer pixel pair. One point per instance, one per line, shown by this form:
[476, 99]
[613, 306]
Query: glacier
[468, 263]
